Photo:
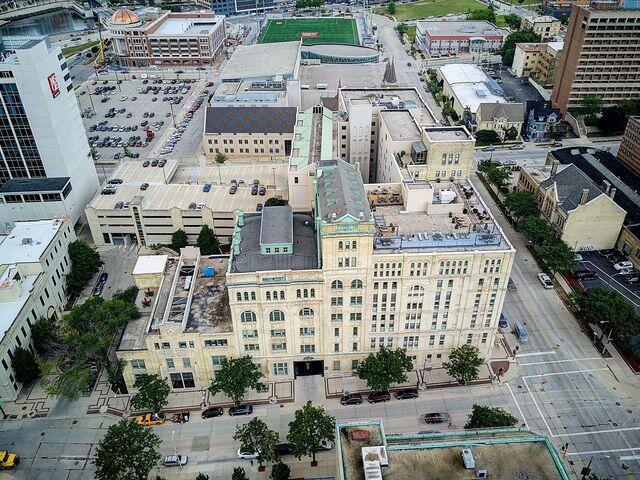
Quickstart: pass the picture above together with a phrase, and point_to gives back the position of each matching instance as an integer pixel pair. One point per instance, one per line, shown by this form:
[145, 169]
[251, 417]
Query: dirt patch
[351, 456]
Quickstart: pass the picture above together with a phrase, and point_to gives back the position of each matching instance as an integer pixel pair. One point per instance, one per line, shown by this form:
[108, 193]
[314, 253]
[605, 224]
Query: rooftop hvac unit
[467, 458]
[482, 474]
[446, 196]
[27, 241]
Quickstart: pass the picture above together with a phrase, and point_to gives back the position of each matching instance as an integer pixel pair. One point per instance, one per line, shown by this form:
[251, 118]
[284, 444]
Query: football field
[313, 31]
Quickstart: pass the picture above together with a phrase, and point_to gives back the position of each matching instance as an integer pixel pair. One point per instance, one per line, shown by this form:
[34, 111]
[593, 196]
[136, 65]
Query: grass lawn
[411, 33]
[500, 21]
[433, 8]
[321, 30]
[70, 51]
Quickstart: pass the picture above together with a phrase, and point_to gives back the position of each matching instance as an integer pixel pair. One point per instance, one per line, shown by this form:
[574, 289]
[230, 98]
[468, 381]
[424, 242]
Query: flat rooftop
[27, 241]
[250, 258]
[439, 456]
[440, 28]
[401, 125]
[9, 310]
[447, 134]
[264, 60]
[189, 27]
[433, 229]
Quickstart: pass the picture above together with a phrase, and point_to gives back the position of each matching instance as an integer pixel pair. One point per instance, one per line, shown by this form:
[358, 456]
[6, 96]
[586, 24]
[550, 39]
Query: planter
[262, 468]
[314, 463]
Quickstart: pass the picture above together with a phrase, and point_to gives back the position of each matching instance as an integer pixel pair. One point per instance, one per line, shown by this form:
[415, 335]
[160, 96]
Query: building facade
[599, 56]
[173, 39]
[315, 292]
[537, 61]
[249, 133]
[629, 150]
[46, 168]
[33, 265]
[544, 25]
[231, 7]
[540, 119]
[558, 7]
[450, 38]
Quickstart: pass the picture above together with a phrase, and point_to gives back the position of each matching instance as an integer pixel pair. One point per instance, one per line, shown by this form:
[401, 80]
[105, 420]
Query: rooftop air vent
[27, 241]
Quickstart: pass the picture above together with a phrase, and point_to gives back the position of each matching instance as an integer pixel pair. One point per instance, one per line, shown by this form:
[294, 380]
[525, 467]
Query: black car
[284, 449]
[241, 410]
[254, 190]
[103, 277]
[212, 412]
[351, 399]
[376, 397]
[584, 274]
[406, 393]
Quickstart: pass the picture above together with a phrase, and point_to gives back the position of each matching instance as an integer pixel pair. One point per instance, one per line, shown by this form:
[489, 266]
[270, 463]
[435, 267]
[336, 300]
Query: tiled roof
[570, 182]
[513, 112]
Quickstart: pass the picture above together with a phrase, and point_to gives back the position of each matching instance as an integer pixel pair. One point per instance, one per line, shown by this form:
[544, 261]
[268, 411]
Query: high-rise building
[629, 150]
[46, 169]
[600, 56]
[230, 7]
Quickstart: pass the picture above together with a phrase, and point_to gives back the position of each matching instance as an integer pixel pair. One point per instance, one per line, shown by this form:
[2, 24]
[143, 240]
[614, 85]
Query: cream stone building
[537, 61]
[544, 25]
[585, 217]
[411, 263]
[256, 134]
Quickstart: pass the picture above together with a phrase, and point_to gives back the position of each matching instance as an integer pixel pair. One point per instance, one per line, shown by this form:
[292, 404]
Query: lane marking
[592, 452]
[537, 407]
[518, 406]
[560, 361]
[553, 374]
[532, 354]
[630, 457]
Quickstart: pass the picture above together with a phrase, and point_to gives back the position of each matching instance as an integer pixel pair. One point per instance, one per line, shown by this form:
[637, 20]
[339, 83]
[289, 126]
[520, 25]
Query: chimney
[584, 196]
[606, 184]
[554, 167]
[612, 192]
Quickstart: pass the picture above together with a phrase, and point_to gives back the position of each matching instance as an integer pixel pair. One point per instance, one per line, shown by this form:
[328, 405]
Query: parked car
[150, 419]
[175, 460]
[624, 265]
[545, 280]
[490, 148]
[233, 189]
[8, 460]
[351, 399]
[103, 277]
[517, 147]
[262, 191]
[631, 278]
[584, 274]
[435, 417]
[240, 410]
[284, 449]
[502, 323]
[212, 412]
[376, 397]
[254, 190]
[406, 393]
[144, 186]
[247, 454]
[97, 290]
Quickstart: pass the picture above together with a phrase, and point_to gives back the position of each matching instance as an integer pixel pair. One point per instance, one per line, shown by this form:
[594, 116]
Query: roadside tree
[239, 474]
[153, 393]
[610, 310]
[235, 377]
[25, 366]
[310, 427]
[557, 256]
[520, 203]
[280, 471]
[256, 437]
[464, 363]
[85, 262]
[538, 229]
[128, 451]
[488, 417]
[385, 367]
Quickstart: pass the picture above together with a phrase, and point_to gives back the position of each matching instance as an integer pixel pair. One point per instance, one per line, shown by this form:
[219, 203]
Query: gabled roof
[250, 119]
[541, 110]
[513, 112]
[570, 182]
[341, 192]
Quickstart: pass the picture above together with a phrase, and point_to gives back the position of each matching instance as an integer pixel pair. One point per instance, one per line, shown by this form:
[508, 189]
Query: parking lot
[609, 276]
[514, 88]
[134, 107]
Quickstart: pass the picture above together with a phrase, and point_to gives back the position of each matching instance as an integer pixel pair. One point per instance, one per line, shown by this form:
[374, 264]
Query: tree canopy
[235, 377]
[239, 474]
[487, 14]
[179, 240]
[85, 262]
[257, 438]
[464, 363]
[25, 365]
[494, 174]
[45, 336]
[280, 471]
[613, 119]
[557, 256]
[153, 393]
[509, 46]
[538, 229]
[513, 20]
[487, 136]
[591, 105]
[385, 367]
[208, 241]
[402, 28]
[310, 427]
[128, 451]
[274, 202]
[609, 309]
[521, 203]
[220, 157]
[391, 7]
[483, 416]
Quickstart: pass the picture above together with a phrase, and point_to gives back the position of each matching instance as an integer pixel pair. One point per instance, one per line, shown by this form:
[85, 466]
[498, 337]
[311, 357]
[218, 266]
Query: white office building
[33, 265]
[46, 169]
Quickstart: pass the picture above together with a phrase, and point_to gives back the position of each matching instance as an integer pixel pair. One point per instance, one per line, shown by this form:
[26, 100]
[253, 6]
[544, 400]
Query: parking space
[603, 264]
[517, 89]
[126, 110]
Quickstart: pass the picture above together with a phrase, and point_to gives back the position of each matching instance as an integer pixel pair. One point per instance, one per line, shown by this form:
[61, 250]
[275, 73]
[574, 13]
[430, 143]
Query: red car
[146, 163]
[145, 115]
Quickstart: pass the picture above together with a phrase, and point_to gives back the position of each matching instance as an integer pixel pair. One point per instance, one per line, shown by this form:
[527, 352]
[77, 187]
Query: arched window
[340, 245]
[268, 295]
[305, 293]
[298, 293]
[416, 291]
[306, 312]
[247, 316]
[356, 284]
[246, 296]
[336, 285]
[313, 293]
[281, 294]
[276, 316]
[354, 245]
[239, 296]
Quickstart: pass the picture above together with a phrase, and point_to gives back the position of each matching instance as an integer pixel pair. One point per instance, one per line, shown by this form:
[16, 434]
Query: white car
[626, 265]
[545, 280]
[123, 98]
[246, 454]
[175, 460]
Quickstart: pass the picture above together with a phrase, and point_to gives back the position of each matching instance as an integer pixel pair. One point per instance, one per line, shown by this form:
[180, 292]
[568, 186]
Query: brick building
[629, 150]
[438, 38]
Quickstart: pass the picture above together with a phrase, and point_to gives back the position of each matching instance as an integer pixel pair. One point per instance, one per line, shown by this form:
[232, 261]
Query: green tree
[115, 371]
[280, 471]
[25, 365]
[310, 427]
[128, 295]
[631, 106]
[208, 241]
[464, 363]
[274, 202]
[202, 476]
[509, 46]
[557, 130]
[385, 367]
[591, 105]
[613, 120]
[539, 230]
[520, 203]
[179, 240]
[498, 176]
[402, 28]
[126, 151]
[239, 474]
[71, 382]
[510, 133]
[85, 262]
[221, 157]
[557, 256]
[235, 377]
[487, 14]
[45, 336]
[94, 153]
[564, 18]
[609, 309]
[257, 438]
[513, 20]
[128, 451]
[391, 8]
[487, 417]
[487, 137]
[153, 393]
